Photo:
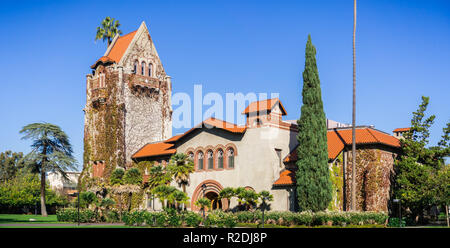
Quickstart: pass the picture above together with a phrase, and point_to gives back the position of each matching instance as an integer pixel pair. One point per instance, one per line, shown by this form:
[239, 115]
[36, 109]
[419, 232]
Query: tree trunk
[43, 208]
[353, 206]
[184, 190]
[130, 196]
[446, 215]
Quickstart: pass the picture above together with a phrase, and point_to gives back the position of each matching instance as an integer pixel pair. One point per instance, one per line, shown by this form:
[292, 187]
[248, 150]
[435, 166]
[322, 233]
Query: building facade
[128, 120]
[128, 103]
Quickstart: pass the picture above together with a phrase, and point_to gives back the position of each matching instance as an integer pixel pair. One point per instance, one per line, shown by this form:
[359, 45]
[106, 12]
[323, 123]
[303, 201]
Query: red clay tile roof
[337, 139]
[405, 129]
[265, 105]
[174, 138]
[118, 49]
[230, 127]
[287, 177]
[155, 149]
[120, 46]
[167, 147]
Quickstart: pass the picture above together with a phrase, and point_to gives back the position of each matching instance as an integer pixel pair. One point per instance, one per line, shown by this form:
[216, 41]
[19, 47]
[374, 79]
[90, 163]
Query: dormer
[262, 113]
[399, 132]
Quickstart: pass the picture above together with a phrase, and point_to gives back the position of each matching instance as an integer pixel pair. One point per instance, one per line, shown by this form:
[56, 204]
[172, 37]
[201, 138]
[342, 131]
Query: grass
[24, 218]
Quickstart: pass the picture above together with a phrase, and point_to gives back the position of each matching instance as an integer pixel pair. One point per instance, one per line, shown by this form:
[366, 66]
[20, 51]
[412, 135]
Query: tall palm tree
[132, 179]
[180, 167]
[108, 30]
[353, 205]
[157, 176]
[51, 152]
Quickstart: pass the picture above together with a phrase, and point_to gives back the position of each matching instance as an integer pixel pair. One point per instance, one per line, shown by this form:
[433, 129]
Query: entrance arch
[211, 192]
[214, 198]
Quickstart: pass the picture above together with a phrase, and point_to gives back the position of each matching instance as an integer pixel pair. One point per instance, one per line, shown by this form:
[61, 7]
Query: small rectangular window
[279, 156]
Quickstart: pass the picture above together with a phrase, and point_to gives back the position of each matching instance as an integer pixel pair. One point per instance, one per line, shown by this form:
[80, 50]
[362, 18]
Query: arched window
[191, 155]
[150, 67]
[230, 154]
[220, 159]
[200, 160]
[135, 67]
[210, 160]
[143, 68]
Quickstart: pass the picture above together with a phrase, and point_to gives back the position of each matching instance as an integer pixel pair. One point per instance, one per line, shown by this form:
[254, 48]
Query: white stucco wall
[256, 163]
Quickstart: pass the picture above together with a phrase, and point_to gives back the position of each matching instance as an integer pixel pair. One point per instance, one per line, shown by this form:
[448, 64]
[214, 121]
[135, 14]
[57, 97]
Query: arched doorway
[210, 190]
[214, 198]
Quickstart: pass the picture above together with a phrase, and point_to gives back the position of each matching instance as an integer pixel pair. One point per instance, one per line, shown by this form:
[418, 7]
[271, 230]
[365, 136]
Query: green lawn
[23, 218]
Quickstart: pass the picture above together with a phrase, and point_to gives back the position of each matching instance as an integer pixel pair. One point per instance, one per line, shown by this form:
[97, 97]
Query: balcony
[141, 83]
[99, 95]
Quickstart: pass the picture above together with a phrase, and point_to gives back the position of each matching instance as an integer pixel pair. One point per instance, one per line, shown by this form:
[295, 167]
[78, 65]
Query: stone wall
[125, 110]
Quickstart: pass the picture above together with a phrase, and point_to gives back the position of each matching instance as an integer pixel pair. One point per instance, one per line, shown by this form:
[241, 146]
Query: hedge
[71, 215]
[172, 218]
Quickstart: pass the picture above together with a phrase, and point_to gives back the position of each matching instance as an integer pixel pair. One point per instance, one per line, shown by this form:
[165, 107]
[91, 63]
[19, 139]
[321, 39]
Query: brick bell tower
[128, 104]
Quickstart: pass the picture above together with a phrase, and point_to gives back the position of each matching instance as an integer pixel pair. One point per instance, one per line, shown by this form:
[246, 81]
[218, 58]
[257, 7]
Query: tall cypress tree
[314, 189]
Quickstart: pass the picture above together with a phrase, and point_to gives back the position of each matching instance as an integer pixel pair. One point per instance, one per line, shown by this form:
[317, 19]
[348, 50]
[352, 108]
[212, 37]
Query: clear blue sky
[403, 52]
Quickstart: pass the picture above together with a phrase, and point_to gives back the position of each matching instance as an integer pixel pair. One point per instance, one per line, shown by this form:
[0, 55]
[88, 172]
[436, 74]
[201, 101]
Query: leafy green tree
[132, 176]
[10, 164]
[133, 180]
[177, 197]
[418, 165]
[264, 196]
[203, 203]
[116, 182]
[180, 167]
[23, 191]
[108, 29]
[163, 193]
[158, 176]
[248, 198]
[227, 193]
[116, 177]
[314, 188]
[87, 198]
[51, 151]
[107, 203]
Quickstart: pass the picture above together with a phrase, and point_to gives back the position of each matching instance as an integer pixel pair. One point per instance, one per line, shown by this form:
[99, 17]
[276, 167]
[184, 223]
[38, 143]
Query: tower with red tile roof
[128, 102]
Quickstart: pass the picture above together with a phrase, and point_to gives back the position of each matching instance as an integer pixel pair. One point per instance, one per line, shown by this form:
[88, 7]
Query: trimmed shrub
[71, 215]
[112, 216]
[192, 219]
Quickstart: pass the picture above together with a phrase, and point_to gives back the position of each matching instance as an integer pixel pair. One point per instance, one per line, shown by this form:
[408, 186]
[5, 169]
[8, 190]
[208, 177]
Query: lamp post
[204, 189]
[263, 205]
[77, 194]
[399, 211]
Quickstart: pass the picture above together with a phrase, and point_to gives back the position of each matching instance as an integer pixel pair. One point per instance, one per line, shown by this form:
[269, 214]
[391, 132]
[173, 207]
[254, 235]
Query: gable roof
[264, 105]
[120, 46]
[116, 49]
[337, 139]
